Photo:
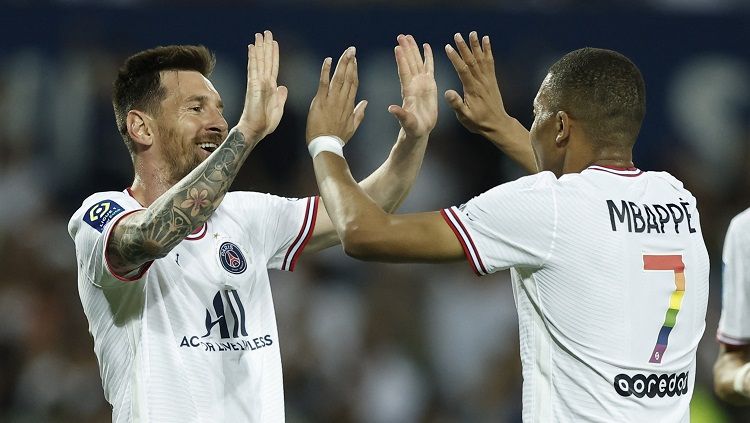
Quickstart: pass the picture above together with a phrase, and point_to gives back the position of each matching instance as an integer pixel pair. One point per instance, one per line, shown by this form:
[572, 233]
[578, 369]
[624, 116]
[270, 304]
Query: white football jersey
[734, 325]
[610, 277]
[192, 337]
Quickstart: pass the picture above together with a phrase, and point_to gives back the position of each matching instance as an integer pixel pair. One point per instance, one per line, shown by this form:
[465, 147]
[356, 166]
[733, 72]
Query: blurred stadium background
[361, 342]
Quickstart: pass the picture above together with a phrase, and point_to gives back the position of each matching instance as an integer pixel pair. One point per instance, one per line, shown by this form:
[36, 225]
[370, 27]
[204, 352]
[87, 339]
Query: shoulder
[526, 191]
[245, 199]
[740, 223]
[666, 177]
[542, 181]
[100, 208]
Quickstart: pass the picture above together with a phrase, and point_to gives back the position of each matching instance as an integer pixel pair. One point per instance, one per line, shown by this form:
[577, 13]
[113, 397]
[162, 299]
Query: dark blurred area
[361, 342]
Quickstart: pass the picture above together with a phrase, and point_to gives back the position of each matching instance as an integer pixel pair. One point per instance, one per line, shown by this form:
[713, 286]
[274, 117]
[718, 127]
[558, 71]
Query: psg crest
[231, 258]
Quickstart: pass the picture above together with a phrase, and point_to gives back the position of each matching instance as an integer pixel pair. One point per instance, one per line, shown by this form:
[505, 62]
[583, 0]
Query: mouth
[208, 146]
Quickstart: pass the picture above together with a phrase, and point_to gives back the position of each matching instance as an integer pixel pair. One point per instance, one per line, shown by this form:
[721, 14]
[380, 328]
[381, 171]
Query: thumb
[359, 113]
[455, 101]
[282, 94]
[399, 113]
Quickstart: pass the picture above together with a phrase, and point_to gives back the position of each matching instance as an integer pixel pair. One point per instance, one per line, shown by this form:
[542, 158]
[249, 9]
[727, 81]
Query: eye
[196, 109]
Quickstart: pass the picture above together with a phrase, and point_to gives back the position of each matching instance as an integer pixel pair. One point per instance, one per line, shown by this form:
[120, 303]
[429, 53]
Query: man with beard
[172, 272]
[609, 267]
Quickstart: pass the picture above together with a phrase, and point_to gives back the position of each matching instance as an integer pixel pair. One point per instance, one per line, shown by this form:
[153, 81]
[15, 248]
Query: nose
[217, 123]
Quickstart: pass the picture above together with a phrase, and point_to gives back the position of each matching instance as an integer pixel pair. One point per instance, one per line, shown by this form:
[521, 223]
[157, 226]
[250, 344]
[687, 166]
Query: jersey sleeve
[511, 225]
[734, 324]
[282, 226]
[90, 228]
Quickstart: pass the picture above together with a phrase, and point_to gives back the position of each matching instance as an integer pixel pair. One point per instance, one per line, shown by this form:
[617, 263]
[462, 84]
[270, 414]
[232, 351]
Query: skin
[559, 144]
[182, 185]
[729, 361]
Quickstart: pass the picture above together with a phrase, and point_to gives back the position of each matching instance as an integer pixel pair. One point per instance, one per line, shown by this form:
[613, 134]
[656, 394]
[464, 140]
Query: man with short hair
[609, 267]
[732, 367]
[172, 272]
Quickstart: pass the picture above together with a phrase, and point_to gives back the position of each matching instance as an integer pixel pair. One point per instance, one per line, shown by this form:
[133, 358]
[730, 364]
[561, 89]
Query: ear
[563, 129]
[140, 127]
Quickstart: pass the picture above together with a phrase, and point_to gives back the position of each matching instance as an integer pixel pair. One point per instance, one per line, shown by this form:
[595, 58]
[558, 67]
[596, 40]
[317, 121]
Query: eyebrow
[202, 99]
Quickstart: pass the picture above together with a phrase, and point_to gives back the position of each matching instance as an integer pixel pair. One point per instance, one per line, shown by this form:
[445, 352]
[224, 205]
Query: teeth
[207, 145]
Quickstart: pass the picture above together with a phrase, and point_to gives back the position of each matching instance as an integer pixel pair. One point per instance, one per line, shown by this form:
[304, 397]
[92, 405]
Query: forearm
[187, 205]
[389, 184]
[512, 139]
[345, 201]
[727, 365]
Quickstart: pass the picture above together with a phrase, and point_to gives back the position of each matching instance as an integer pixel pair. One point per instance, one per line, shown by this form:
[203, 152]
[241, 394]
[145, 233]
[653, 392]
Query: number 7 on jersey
[675, 264]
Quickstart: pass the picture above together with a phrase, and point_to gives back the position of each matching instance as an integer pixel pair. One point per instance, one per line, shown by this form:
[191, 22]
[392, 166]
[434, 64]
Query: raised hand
[418, 113]
[481, 109]
[264, 99]
[332, 111]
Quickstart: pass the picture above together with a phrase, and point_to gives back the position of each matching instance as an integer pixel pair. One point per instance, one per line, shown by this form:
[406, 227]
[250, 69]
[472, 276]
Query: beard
[181, 157]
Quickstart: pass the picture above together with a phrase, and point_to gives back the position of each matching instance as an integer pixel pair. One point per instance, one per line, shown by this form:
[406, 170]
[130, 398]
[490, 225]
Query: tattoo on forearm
[184, 207]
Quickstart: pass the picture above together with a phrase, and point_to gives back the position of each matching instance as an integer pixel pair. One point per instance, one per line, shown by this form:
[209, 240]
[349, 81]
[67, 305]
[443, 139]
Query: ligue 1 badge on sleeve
[101, 213]
[231, 258]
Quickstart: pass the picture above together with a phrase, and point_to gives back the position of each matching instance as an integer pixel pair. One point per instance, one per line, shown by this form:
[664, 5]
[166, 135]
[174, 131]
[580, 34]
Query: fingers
[464, 74]
[488, 51]
[466, 53]
[268, 52]
[401, 65]
[252, 64]
[429, 63]
[476, 50]
[325, 75]
[259, 54]
[275, 60]
[351, 82]
[339, 74]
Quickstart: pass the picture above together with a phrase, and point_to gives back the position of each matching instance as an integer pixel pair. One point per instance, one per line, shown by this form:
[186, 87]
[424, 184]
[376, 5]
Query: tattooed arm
[149, 234]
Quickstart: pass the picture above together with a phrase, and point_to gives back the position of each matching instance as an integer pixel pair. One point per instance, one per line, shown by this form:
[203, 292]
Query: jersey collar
[621, 171]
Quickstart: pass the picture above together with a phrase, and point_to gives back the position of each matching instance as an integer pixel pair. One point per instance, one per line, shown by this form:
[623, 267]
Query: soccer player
[609, 267]
[732, 367]
[173, 270]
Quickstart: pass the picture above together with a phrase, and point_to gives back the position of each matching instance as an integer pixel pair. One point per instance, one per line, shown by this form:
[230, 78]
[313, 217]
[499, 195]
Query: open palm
[418, 113]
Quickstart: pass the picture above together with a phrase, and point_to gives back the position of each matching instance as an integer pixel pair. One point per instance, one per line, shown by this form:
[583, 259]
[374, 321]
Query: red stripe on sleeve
[141, 270]
[309, 234]
[456, 232]
[471, 241]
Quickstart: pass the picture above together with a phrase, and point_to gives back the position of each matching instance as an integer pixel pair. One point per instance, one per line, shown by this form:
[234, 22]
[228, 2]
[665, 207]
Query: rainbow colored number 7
[674, 263]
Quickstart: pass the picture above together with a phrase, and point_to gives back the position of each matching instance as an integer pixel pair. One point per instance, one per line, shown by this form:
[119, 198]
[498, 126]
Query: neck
[612, 157]
[150, 183]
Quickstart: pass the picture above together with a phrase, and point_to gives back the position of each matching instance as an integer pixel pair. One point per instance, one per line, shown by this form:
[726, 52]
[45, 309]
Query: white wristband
[329, 143]
[739, 379]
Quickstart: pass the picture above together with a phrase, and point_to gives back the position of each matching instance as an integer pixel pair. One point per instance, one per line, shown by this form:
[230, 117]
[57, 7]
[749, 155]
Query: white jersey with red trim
[734, 325]
[192, 337]
[610, 276]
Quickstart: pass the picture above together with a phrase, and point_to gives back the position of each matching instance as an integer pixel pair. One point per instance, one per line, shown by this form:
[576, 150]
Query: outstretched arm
[390, 183]
[481, 110]
[151, 233]
[369, 233]
[731, 383]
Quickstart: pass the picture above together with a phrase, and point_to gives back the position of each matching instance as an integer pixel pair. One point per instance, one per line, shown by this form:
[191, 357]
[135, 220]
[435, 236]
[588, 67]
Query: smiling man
[611, 289]
[172, 272]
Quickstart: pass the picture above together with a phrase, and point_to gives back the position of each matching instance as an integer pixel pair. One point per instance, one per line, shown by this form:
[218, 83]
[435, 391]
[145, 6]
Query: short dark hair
[604, 90]
[138, 83]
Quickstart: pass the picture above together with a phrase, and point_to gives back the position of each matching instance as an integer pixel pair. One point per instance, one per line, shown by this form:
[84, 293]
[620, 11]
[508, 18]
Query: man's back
[611, 280]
